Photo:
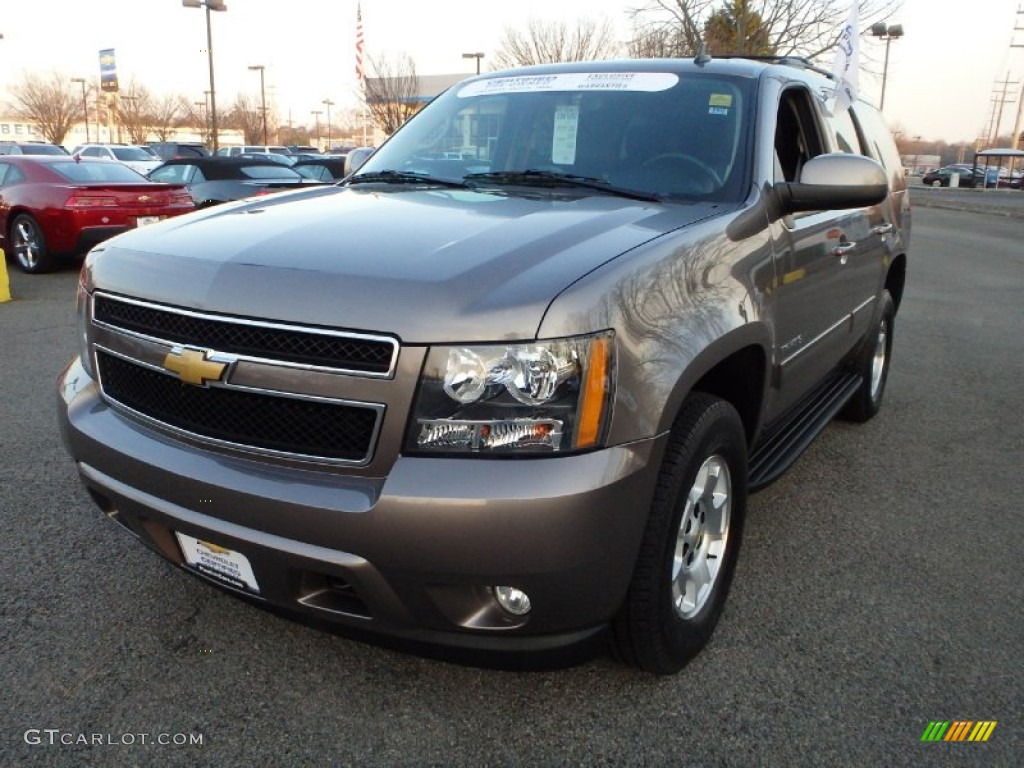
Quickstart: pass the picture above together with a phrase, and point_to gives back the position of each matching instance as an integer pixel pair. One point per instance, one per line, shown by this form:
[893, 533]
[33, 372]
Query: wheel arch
[896, 279]
[733, 368]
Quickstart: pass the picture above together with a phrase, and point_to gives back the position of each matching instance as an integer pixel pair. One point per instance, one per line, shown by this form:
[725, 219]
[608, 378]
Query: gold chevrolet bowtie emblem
[193, 367]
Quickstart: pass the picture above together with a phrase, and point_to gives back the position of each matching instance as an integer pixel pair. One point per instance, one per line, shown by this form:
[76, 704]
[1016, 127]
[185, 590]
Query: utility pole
[997, 109]
[1019, 123]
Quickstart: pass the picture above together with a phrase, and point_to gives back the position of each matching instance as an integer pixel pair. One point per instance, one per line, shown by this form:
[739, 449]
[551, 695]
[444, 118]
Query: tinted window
[270, 172]
[177, 174]
[43, 149]
[94, 152]
[131, 153]
[115, 172]
[845, 133]
[880, 143]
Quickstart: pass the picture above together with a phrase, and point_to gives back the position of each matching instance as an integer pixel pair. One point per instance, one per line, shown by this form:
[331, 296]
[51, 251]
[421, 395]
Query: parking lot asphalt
[878, 590]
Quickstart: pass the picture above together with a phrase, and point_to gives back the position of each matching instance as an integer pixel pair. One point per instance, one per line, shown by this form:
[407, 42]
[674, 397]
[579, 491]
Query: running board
[782, 445]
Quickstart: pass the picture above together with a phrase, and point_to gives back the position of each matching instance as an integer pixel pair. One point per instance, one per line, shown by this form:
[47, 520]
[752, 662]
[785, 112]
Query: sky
[942, 74]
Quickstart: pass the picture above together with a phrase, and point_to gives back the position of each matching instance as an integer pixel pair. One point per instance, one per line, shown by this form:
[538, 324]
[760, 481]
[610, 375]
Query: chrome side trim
[232, 320]
[848, 318]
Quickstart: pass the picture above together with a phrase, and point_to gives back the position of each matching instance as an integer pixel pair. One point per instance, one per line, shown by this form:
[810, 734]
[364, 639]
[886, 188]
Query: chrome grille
[323, 348]
[306, 428]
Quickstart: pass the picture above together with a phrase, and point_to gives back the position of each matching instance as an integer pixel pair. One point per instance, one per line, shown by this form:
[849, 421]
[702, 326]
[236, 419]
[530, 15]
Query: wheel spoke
[702, 537]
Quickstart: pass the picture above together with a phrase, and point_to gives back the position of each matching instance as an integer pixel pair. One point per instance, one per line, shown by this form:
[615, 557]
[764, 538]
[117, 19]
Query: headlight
[538, 397]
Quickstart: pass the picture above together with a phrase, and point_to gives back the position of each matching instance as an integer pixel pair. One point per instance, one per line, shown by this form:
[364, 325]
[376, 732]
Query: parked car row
[56, 205]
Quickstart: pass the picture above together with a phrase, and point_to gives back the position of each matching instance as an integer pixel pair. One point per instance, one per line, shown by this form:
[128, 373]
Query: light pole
[476, 56]
[209, 5]
[203, 122]
[85, 104]
[263, 98]
[316, 114]
[887, 33]
[328, 103]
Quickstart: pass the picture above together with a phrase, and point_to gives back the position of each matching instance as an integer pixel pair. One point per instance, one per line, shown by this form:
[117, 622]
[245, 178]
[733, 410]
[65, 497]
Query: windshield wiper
[401, 177]
[553, 178]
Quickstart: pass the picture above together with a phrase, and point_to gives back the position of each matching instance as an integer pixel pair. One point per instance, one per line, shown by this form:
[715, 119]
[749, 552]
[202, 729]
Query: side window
[10, 175]
[845, 134]
[797, 134]
[92, 152]
[879, 140]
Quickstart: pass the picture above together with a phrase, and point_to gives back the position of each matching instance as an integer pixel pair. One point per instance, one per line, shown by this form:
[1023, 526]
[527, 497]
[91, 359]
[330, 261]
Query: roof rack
[800, 62]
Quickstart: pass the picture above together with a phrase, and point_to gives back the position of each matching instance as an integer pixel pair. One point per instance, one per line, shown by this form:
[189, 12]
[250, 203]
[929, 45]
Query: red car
[54, 206]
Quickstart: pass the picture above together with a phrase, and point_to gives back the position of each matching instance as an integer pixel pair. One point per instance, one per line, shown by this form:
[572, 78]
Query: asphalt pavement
[878, 590]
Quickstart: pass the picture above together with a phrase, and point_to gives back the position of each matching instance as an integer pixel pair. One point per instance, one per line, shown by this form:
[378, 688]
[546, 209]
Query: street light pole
[328, 104]
[263, 99]
[85, 104]
[478, 55]
[209, 5]
[887, 33]
[316, 114]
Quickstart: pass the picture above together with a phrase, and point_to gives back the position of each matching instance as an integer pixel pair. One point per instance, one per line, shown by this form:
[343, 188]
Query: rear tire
[873, 365]
[688, 553]
[29, 245]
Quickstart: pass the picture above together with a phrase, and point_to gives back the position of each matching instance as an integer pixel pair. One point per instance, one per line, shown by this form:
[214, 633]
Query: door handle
[882, 229]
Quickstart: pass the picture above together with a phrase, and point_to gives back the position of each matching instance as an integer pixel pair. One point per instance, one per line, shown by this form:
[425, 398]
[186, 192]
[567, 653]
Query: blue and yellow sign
[108, 70]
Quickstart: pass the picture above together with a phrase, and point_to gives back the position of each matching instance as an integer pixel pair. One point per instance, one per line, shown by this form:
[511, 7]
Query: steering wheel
[677, 172]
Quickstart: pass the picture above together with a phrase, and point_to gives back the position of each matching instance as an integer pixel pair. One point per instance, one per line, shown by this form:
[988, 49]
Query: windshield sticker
[719, 104]
[579, 81]
[563, 139]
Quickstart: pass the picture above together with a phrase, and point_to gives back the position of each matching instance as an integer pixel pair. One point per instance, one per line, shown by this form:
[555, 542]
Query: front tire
[29, 245]
[688, 553]
[873, 365]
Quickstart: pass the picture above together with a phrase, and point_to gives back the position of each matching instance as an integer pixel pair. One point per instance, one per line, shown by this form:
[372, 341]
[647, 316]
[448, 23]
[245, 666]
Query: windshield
[275, 171]
[665, 134]
[42, 149]
[131, 153]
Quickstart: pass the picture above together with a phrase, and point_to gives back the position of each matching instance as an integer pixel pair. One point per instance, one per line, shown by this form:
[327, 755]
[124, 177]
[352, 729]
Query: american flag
[359, 43]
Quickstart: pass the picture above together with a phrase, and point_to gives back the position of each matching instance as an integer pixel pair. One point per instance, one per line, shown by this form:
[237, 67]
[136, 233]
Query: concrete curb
[1002, 206]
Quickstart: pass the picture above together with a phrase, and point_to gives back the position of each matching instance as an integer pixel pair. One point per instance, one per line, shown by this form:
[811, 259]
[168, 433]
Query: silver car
[507, 386]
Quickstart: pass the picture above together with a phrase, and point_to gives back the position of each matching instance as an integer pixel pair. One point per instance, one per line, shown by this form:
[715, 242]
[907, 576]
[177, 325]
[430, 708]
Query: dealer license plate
[141, 221]
[219, 563]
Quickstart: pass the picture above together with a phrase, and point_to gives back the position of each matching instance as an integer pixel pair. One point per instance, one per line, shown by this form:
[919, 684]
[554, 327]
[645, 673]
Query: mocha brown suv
[507, 387]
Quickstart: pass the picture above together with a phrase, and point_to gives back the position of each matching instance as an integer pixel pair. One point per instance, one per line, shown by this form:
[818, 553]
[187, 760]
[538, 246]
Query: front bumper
[412, 555]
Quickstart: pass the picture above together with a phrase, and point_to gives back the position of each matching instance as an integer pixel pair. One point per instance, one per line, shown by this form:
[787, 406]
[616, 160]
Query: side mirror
[834, 181]
[354, 160]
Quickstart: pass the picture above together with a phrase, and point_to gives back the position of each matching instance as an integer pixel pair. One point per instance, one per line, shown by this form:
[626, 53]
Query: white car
[139, 159]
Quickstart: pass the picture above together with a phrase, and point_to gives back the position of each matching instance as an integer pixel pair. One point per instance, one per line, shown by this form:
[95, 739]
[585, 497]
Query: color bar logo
[958, 730]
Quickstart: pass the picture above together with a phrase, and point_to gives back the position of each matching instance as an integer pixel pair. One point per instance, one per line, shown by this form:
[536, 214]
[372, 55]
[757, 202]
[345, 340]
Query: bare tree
[166, 113]
[49, 102]
[194, 115]
[392, 93]
[245, 116]
[548, 42]
[134, 108]
[794, 27]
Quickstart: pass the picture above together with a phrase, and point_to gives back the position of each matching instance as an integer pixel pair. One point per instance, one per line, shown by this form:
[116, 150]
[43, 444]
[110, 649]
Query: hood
[426, 265]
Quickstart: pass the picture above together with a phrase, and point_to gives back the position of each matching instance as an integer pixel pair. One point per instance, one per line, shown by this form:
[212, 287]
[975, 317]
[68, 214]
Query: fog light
[513, 600]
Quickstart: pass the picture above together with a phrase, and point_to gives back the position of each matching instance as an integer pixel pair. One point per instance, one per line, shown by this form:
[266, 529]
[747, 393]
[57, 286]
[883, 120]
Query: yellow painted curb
[5, 285]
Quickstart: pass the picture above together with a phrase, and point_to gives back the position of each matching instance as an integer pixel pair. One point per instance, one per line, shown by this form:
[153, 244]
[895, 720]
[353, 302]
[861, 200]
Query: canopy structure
[1015, 156]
